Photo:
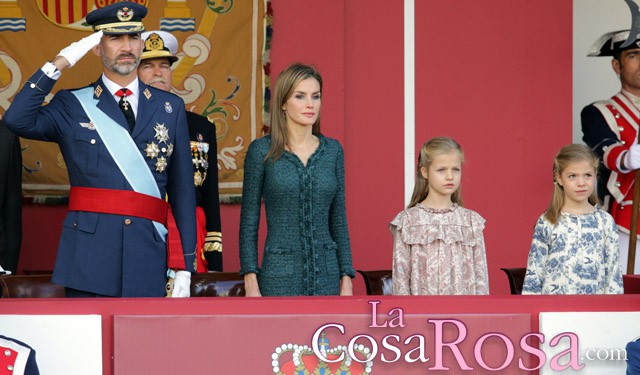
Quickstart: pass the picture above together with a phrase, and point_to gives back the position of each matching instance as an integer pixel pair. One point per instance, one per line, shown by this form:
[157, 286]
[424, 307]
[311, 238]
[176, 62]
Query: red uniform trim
[613, 155]
[131, 203]
[627, 109]
[623, 122]
[201, 225]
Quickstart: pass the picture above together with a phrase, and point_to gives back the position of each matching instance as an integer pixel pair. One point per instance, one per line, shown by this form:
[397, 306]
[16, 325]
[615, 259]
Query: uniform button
[33, 85]
[7, 353]
[617, 115]
[10, 368]
[604, 148]
[620, 128]
[75, 225]
[93, 141]
[617, 184]
[164, 149]
[127, 221]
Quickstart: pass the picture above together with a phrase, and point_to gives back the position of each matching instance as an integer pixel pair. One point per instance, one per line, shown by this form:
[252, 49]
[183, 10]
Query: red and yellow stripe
[64, 12]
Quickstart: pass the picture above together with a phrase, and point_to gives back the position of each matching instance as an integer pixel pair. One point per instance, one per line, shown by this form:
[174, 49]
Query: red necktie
[126, 107]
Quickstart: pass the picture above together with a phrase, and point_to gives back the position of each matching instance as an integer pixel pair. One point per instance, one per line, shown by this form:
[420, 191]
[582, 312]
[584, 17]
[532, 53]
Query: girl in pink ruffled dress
[438, 246]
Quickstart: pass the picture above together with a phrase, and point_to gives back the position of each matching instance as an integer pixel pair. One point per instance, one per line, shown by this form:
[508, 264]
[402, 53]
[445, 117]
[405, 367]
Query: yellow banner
[220, 74]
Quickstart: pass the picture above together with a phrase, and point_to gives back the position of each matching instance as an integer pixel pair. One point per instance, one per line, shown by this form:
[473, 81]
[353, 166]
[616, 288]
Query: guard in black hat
[610, 128]
[159, 53]
[126, 146]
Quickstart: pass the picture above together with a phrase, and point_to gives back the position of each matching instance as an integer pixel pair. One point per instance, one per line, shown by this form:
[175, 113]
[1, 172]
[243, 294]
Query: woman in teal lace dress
[299, 173]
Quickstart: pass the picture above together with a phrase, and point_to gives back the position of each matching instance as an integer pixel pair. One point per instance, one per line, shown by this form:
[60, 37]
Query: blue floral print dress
[579, 255]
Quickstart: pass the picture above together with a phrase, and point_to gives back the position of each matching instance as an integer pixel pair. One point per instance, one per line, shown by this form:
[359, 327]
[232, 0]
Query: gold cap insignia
[125, 14]
[154, 43]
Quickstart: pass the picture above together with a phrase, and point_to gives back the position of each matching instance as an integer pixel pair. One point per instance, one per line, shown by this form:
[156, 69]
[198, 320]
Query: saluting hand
[76, 50]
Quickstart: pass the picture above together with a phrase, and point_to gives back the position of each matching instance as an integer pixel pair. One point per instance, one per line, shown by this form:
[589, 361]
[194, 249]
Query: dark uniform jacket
[633, 358]
[17, 358]
[204, 152]
[10, 199]
[610, 128]
[108, 254]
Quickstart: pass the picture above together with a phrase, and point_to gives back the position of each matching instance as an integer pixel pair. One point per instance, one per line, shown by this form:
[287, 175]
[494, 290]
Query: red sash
[201, 225]
[130, 203]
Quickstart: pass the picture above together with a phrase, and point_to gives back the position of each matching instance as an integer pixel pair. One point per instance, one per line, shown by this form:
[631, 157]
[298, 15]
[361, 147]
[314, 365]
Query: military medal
[152, 150]
[161, 164]
[162, 133]
[197, 178]
[200, 160]
[194, 152]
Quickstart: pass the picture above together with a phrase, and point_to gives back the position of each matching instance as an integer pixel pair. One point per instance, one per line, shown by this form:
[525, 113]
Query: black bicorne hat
[612, 43]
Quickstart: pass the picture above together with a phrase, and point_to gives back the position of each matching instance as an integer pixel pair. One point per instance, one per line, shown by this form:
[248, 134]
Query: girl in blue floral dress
[575, 243]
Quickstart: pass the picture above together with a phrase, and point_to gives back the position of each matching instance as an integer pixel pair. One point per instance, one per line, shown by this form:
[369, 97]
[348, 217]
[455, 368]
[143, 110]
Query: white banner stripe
[409, 100]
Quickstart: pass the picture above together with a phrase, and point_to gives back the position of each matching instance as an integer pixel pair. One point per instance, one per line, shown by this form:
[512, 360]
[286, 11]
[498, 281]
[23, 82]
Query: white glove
[632, 158]
[179, 285]
[74, 52]
[4, 272]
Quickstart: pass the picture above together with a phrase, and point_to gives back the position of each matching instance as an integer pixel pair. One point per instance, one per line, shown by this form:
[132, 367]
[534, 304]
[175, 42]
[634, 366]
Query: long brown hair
[433, 147]
[283, 88]
[572, 153]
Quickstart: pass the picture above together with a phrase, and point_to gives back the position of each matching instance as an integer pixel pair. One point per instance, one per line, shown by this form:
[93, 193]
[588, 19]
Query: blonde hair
[433, 147]
[283, 88]
[568, 154]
